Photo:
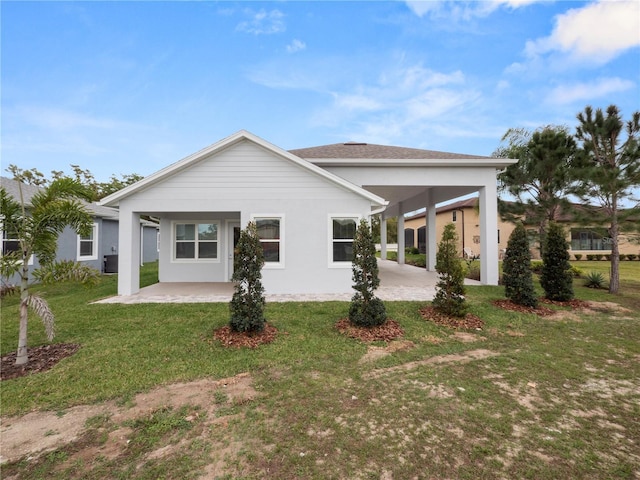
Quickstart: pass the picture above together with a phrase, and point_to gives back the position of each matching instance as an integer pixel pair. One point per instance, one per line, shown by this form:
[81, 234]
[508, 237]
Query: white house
[306, 204]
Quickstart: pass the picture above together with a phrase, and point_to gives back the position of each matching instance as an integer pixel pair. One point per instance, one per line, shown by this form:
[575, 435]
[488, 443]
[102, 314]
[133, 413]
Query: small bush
[594, 280]
[591, 257]
[598, 256]
[67, 271]
[607, 258]
[622, 256]
[449, 299]
[578, 256]
[557, 277]
[536, 266]
[632, 256]
[517, 276]
[473, 271]
[576, 272]
[412, 250]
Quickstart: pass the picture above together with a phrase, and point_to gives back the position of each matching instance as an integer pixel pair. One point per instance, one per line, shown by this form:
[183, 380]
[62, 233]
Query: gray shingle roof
[353, 150]
[28, 191]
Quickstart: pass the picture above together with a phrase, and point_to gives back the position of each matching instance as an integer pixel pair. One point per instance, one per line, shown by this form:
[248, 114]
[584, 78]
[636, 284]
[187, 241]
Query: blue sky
[124, 87]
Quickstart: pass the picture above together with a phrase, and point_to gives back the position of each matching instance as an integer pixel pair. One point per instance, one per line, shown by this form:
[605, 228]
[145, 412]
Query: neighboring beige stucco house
[464, 214]
[306, 204]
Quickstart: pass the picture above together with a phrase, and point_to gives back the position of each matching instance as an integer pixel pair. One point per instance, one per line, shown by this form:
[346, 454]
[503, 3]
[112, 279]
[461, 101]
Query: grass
[557, 398]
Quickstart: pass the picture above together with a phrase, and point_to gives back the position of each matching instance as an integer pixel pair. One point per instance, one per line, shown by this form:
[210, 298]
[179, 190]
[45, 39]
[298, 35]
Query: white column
[383, 237]
[489, 272]
[129, 255]
[431, 239]
[400, 235]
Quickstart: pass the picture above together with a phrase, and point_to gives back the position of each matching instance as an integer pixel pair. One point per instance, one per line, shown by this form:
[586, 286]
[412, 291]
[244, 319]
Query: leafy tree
[609, 169]
[557, 277]
[540, 180]
[247, 303]
[36, 227]
[100, 189]
[449, 298]
[516, 268]
[392, 229]
[366, 309]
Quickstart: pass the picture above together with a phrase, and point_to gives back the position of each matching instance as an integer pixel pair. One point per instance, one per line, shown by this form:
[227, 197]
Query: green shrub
[67, 271]
[623, 256]
[578, 256]
[594, 280]
[412, 250]
[556, 278]
[536, 266]
[576, 272]
[449, 298]
[473, 270]
[598, 256]
[607, 258]
[517, 276]
[247, 303]
[418, 262]
[591, 257]
[366, 310]
[632, 256]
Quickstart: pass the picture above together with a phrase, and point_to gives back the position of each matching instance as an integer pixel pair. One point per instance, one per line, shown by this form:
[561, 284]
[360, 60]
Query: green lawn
[544, 398]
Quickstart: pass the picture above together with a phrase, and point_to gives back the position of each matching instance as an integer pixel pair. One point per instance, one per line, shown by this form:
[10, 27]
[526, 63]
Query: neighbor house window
[88, 244]
[196, 241]
[454, 216]
[271, 232]
[590, 239]
[343, 231]
[11, 244]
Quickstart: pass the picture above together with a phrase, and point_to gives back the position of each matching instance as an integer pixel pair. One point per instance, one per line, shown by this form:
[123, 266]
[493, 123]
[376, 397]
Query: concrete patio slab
[397, 282]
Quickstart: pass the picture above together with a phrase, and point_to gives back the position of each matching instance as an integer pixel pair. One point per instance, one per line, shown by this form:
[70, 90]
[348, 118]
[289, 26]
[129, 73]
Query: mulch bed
[229, 338]
[574, 304]
[514, 307]
[389, 330]
[468, 322]
[40, 359]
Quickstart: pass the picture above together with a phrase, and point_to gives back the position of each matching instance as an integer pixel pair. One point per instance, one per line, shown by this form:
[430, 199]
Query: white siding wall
[246, 180]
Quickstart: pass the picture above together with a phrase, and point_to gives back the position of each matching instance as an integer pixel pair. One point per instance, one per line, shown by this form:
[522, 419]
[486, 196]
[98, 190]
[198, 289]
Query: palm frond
[40, 306]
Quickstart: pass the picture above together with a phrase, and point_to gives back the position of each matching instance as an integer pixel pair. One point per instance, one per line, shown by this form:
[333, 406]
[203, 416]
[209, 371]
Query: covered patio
[397, 282]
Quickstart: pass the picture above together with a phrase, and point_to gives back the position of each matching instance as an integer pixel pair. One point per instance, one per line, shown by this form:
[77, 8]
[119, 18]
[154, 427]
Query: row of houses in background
[464, 214]
[99, 249]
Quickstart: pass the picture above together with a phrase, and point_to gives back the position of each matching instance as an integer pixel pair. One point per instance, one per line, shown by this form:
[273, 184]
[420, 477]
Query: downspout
[462, 211]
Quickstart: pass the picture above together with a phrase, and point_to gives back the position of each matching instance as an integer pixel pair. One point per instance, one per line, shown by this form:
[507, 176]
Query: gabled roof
[114, 199]
[12, 188]
[354, 150]
[468, 203]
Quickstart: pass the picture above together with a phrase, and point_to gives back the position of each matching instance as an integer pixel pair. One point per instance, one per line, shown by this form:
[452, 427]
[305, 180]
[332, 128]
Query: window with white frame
[271, 232]
[195, 241]
[343, 231]
[88, 244]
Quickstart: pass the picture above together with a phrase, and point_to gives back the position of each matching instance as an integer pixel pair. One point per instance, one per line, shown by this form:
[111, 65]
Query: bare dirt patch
[374, 353]
[464, 357]
[38, 432]
[467, 337]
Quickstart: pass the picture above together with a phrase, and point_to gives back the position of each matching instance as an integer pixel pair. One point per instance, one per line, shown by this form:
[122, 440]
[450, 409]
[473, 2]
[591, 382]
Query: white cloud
[595, 33]
[263, 22]
[296, 46]
[462, 10]
[566, 94]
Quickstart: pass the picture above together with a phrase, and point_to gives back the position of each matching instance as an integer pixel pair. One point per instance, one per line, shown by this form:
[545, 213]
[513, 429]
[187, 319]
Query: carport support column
[129, 255]
[431, 240]
[400, 235]
[383, 237]
[489, 234]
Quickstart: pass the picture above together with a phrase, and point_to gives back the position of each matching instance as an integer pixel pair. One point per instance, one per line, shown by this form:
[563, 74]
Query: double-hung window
[271, 232]
[11, 244]
[88, 244]
[342, 232]
[195, 241]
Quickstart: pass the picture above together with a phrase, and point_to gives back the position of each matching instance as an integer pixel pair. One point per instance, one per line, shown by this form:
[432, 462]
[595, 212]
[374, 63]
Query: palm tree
[36, 226]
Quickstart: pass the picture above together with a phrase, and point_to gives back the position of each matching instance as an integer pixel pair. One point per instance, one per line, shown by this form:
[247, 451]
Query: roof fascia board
[114, 198]
[395, 162]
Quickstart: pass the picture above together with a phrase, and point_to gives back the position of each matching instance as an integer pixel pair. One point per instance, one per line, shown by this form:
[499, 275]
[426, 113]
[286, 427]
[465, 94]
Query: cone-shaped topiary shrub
[247, 303]
[366, 309]
[449, 298]
[516, 269]
[557, 277]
